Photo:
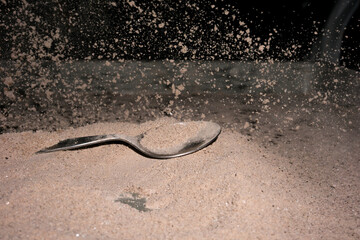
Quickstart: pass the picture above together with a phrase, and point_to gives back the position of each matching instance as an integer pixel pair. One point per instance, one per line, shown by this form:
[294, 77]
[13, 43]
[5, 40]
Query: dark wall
[147, 30]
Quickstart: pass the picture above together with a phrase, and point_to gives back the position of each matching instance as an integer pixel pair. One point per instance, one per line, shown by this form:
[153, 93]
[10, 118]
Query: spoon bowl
[163, 142]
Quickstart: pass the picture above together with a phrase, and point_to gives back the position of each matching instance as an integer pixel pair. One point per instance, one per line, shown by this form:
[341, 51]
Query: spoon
[166, 141]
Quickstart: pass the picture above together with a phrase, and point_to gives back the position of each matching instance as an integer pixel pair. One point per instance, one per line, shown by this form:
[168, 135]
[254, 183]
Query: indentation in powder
[135, 202]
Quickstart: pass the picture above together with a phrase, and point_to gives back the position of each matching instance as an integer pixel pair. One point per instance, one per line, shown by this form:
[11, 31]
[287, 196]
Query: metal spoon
[205, 134]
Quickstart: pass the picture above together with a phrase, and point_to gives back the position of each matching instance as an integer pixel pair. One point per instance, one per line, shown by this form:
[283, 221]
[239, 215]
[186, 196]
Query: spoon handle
[74, 143]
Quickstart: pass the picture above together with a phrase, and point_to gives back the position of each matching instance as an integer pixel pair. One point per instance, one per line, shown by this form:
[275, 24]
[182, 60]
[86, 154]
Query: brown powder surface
[236, 188]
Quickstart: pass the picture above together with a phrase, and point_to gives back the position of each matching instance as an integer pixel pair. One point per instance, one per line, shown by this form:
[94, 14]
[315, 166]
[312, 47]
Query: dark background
[151, 30]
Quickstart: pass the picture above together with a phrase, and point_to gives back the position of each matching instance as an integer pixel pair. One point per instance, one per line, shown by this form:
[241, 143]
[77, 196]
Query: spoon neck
[126, 138]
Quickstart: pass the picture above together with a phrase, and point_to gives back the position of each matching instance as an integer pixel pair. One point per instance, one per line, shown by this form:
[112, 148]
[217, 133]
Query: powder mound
[168, 139]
